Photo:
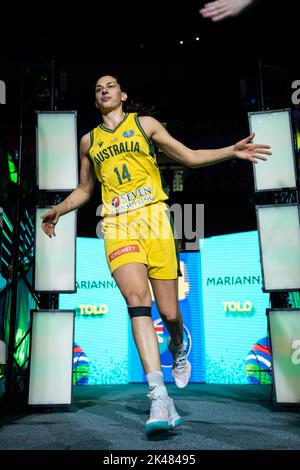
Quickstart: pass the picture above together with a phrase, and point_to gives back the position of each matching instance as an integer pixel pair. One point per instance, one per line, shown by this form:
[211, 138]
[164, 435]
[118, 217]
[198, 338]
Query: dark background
[202, 89]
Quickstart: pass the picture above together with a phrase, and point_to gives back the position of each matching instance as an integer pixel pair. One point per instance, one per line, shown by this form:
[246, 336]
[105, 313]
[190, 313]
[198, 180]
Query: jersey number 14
[125, 174]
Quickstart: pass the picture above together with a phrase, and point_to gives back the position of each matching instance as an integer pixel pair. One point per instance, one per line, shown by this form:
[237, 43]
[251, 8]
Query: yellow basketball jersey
[125, 164]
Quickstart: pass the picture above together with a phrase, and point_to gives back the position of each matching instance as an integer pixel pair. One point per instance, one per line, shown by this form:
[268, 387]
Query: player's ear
[124, 96]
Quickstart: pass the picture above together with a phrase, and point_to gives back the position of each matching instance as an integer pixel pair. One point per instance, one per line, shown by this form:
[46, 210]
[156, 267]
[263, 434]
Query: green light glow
[294, 299]
[12, 169]
[22, 351]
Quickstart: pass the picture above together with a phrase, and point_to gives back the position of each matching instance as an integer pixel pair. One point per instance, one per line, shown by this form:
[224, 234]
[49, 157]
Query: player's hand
[247, 151]
[50, 219]
[219, 10]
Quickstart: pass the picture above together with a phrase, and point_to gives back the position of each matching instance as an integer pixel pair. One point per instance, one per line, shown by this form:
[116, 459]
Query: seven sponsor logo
[132, 199]
[116, 201]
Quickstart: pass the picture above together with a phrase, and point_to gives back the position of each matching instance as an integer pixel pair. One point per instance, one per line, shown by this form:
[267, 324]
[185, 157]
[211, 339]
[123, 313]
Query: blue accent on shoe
[157, 426]
[177, 422]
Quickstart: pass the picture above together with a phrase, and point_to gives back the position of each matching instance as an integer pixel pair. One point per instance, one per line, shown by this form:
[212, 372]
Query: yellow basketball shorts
[144, 235]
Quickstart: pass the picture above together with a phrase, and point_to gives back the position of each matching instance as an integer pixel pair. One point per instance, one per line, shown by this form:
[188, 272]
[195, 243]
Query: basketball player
[120, 153]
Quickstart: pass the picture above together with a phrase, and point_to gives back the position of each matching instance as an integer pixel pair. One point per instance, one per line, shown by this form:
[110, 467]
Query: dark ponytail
[133, 106]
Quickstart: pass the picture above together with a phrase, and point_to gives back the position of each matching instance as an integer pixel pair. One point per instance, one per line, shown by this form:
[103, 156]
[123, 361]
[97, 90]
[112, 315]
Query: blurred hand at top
[219, 10]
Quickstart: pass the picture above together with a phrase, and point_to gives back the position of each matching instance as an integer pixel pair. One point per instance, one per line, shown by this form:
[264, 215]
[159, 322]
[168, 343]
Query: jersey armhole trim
[92, 143]
[141, 129]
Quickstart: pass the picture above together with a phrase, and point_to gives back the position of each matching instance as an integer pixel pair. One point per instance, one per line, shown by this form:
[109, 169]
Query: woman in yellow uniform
[138, 235]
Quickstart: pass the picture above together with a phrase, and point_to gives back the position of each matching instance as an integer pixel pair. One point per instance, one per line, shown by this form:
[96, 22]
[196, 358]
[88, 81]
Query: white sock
[154, 379]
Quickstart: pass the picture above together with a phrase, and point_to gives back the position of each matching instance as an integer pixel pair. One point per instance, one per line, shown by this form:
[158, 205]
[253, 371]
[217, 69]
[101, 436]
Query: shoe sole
[157, 426]
[175, 423]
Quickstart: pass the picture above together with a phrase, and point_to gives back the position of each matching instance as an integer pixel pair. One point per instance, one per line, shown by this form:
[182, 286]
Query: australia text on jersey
[117, 149]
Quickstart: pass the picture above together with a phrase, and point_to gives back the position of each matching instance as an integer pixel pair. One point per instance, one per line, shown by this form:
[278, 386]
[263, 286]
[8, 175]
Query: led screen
[234, 309]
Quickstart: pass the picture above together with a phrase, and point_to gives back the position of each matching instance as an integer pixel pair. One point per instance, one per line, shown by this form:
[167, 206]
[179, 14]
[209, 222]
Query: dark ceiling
[140, 42]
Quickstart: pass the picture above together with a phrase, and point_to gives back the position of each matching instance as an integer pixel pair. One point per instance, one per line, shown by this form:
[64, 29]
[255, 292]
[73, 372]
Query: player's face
[109, 95]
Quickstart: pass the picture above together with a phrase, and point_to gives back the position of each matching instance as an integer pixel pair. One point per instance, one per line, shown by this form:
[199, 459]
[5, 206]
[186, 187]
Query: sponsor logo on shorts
[122, 251]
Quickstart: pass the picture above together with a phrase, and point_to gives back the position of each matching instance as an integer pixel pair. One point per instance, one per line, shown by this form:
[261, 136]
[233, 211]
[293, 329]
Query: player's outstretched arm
[244, 149]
